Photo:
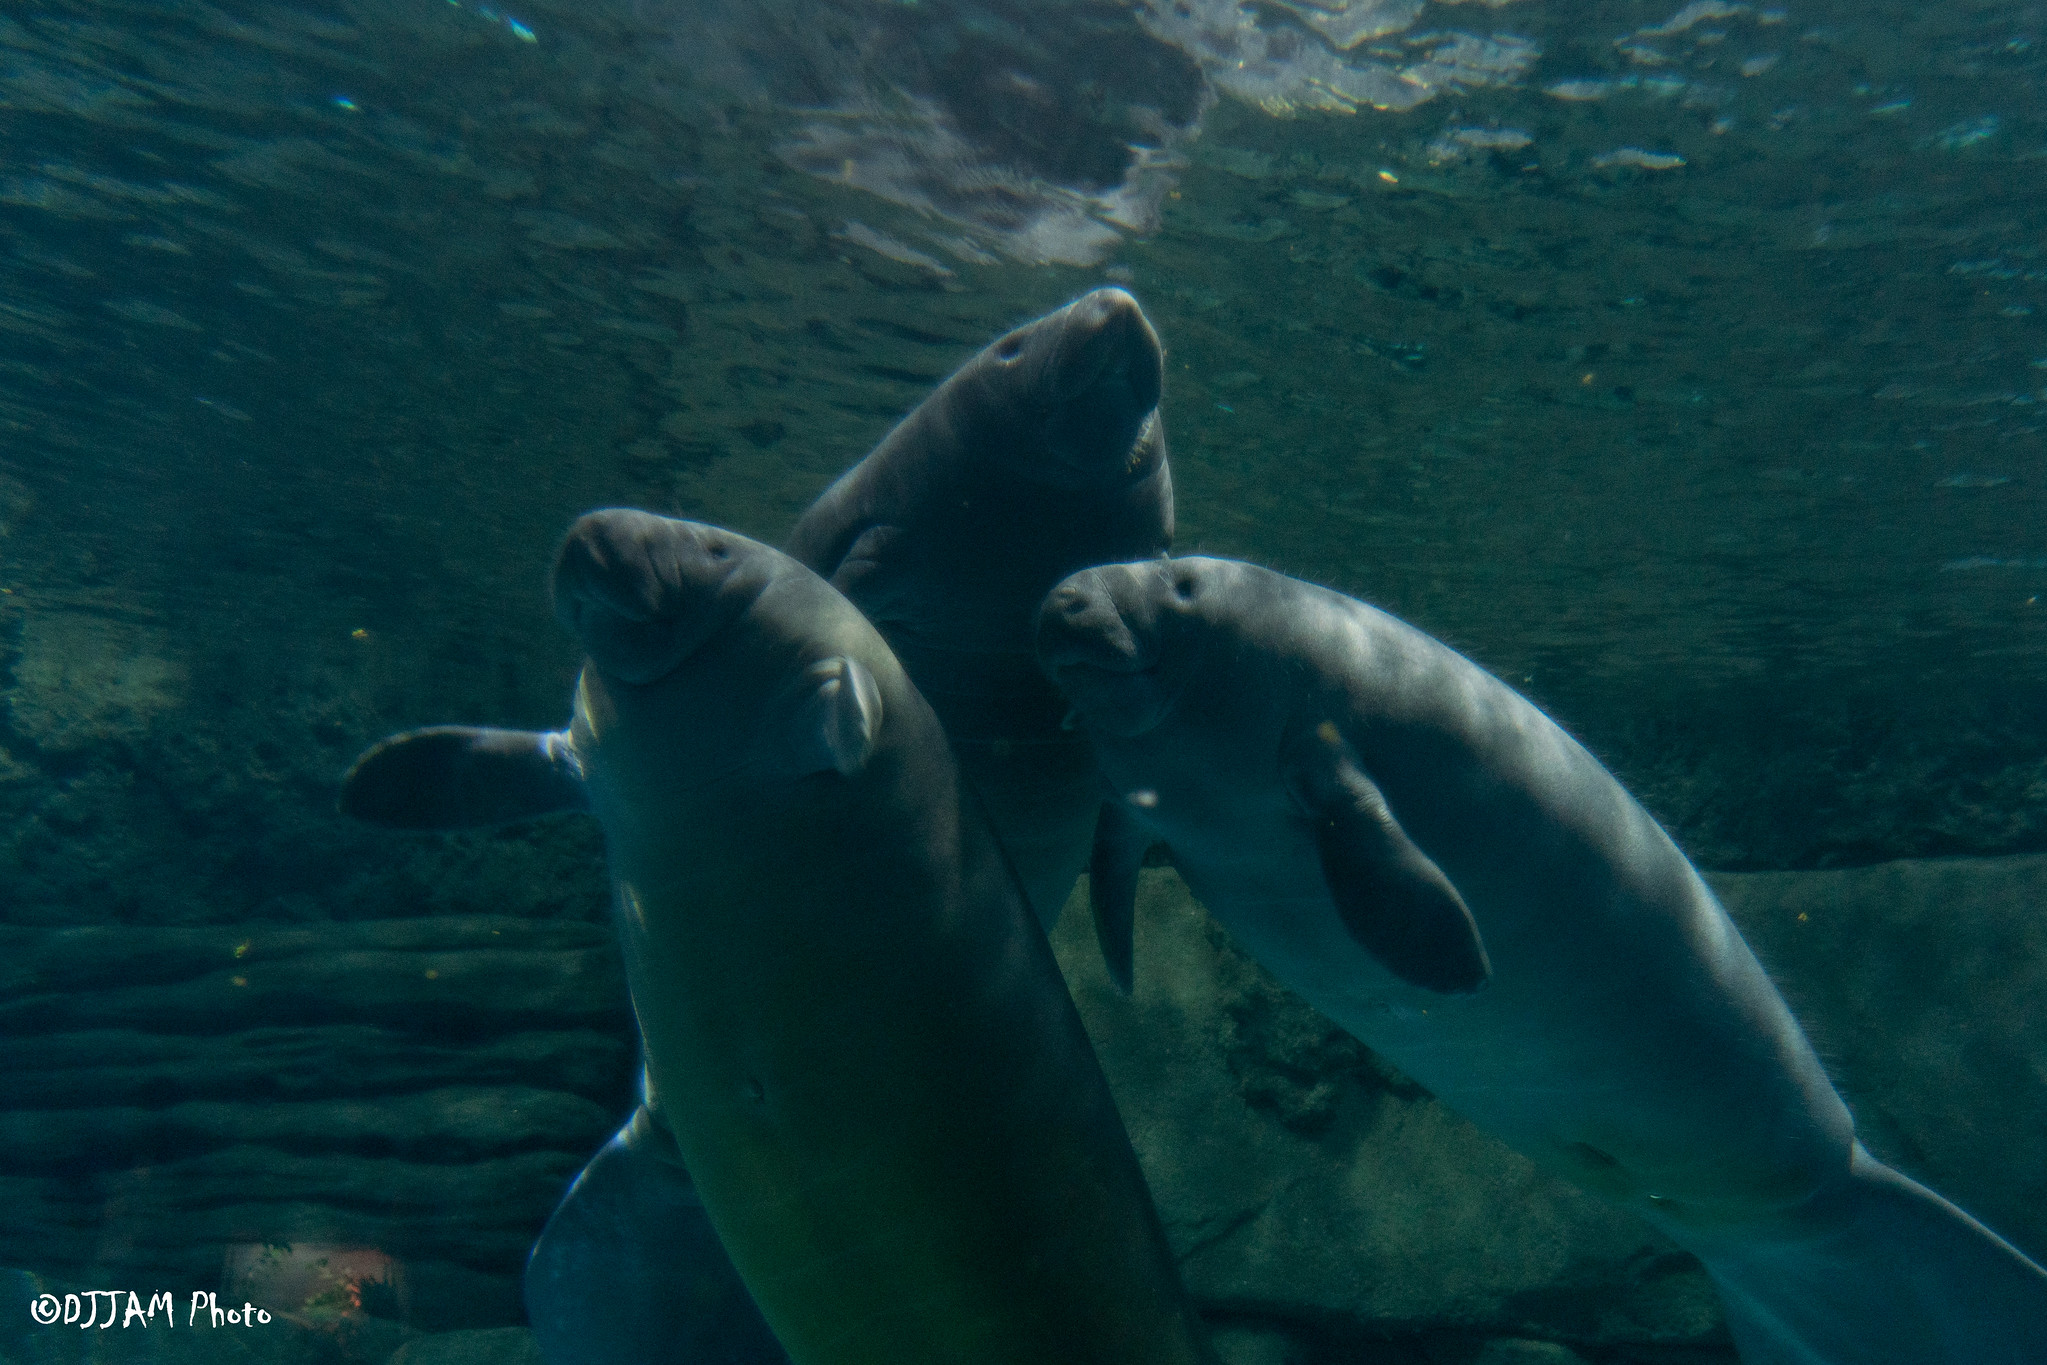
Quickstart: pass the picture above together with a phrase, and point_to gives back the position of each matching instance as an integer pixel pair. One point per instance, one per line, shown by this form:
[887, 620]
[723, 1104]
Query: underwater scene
[1023, 682]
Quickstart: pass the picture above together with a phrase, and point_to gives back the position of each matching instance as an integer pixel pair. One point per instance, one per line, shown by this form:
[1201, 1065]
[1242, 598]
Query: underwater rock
[492, 1346]
[1301, 1179]
[1515, 1351]
[1924, 984]
[426, 1087]
[1394, 1213]
[463, 972]
[1239, 1344]
[82, 679]
[1306, 1180]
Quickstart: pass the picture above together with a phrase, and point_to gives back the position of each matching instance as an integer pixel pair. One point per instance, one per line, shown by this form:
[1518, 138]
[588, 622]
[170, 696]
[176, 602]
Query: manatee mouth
[1114, 701]
[1093, 687]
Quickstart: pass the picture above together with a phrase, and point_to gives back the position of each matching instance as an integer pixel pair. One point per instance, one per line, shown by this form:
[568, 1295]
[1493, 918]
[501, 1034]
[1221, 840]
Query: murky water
[1684, 365]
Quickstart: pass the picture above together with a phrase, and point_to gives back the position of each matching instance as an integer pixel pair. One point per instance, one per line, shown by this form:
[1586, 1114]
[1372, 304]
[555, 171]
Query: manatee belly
[1035, 778]
[1042, 799]
[899, 1133]
[1643, 1067]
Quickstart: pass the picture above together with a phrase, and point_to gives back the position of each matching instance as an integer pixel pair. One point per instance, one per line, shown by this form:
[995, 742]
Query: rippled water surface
[1686, 363]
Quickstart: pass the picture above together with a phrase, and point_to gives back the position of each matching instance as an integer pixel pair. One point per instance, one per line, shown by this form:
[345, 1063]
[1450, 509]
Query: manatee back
[1042, 455]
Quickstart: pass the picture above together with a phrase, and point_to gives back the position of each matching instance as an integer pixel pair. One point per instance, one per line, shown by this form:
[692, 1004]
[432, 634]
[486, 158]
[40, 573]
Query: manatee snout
[1099, 638]
[1081, 624]
[1107, 345]
[1103, 378]
[642, 592]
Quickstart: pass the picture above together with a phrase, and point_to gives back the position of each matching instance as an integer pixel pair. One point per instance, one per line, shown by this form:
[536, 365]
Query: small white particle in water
[1579, 90]
[1144, 799]
[1491, 139]
[1635, 156]
[1695, 13]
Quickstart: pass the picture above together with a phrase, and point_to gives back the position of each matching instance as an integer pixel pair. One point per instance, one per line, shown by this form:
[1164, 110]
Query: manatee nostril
[1009, 348]
[721, 552]
[1183, 587]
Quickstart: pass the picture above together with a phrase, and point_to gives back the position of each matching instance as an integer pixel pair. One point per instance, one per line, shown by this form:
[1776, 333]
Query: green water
[319, 322]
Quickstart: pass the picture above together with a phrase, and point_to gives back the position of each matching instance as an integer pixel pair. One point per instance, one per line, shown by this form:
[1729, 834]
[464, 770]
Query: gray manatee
[1041, 455]
[852, 1026]
[630, 1269]
[1430, 861]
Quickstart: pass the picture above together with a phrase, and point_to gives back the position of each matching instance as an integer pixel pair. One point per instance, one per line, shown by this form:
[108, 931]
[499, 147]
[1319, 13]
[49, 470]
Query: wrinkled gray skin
[1041, 455]
[882, 1097]
[1340, 791]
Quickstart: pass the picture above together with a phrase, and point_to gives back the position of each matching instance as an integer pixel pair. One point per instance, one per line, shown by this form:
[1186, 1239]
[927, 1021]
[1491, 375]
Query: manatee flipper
[1120, 844]
[1392, 897]
[629, 1269]
[460, 777]
[836, 719]
[1881, 1270]
[862, 558]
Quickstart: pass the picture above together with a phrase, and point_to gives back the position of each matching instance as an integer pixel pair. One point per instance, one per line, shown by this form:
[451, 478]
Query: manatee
[853, 1027]
[629, 1268]
[1430, 861]
[1041, 455]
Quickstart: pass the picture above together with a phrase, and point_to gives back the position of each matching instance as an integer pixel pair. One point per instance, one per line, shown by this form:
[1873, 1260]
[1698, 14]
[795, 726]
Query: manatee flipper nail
[838, 718]
[461, 777]
[1120, 844]
[1392, 897]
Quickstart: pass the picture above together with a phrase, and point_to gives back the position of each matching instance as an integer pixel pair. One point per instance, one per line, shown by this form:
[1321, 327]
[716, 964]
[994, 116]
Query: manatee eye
[1183, 587]
[1009, 349]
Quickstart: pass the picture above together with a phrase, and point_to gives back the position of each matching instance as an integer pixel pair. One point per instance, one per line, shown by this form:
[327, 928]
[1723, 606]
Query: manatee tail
[1890, 1274]
[628, 1268]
